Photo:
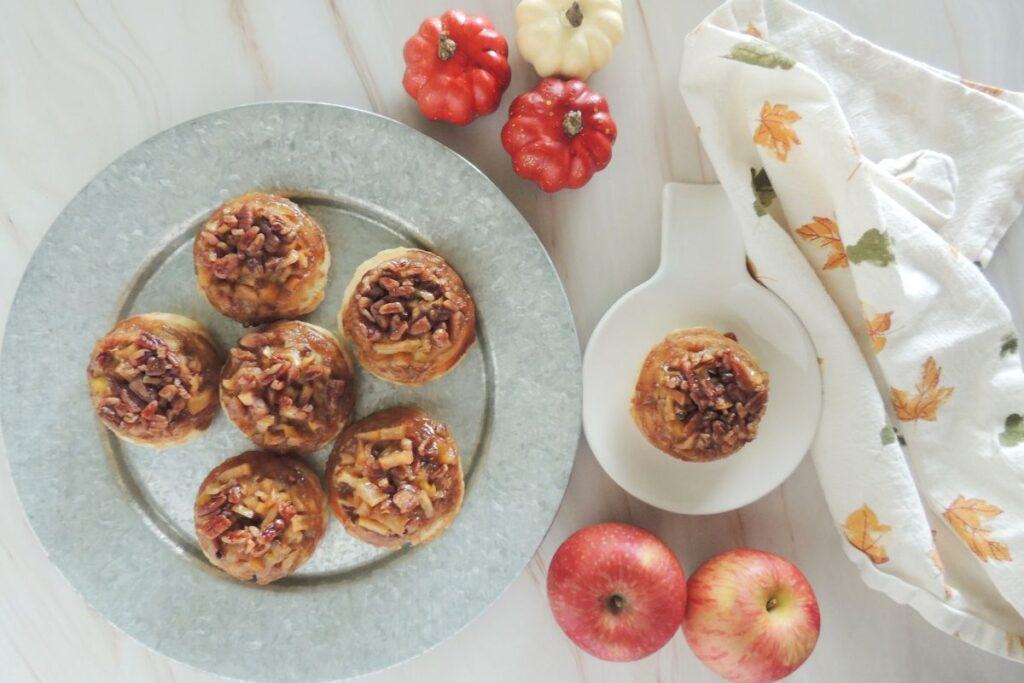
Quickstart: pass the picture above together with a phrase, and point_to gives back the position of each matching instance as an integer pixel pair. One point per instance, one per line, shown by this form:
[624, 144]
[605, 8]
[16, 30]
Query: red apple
[617, 591]
[751, 616]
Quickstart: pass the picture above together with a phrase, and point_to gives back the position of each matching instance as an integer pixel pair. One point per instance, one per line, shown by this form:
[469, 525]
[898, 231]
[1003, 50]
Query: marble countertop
[81, 82]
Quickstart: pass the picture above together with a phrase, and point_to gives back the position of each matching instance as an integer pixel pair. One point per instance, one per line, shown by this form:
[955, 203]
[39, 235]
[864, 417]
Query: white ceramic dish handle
[699, 235]
[702, 281]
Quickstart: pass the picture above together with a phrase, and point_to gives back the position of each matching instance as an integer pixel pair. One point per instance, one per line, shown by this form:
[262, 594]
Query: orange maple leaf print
[929, 397]
[982, 87]
[864, 532]
[774, 132]
[877, 326]
[967, 517]
[825, 233]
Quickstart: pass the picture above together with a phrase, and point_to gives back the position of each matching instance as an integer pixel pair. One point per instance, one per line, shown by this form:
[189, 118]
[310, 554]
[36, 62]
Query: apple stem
[615, 603]
[772, 603]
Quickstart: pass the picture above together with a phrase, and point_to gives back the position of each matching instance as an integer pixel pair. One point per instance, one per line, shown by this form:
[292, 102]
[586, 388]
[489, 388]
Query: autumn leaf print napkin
[871, 188]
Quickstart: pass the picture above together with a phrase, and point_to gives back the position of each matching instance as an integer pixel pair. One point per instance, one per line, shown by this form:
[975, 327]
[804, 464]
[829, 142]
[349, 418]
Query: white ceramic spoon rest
[702, 282]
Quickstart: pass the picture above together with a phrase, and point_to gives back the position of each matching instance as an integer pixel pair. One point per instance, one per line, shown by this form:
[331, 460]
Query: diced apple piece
[445, 455]
[424, 499]
[269, 293]
[290, 412]
[373, 526]
[236, 472]
[394, 523]
[385, 434]
[370, 493]
[347, 477]
[198, 402]
[425, 484]
[405, 346]
[269, 516]
[244, 511]
[394, 459]
[298, 523]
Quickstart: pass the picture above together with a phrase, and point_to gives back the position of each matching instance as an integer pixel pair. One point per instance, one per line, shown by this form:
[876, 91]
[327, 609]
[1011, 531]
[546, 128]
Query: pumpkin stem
[572, 124]
[574, 14]
[445, 47]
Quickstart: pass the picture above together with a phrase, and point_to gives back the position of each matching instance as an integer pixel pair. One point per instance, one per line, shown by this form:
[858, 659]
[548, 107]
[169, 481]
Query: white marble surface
[81, 82]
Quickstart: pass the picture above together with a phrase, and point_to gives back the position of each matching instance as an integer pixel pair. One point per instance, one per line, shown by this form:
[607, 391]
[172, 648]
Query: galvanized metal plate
[116, 519]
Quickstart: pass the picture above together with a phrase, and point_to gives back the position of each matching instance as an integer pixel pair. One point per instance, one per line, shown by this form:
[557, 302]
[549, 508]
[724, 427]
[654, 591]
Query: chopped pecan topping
[405, 499]
[395, 477]
[214, 525]
[288, 386]
[699, 395]
[259, 516]
[252, 244]
[407, 306]
[260, 257]
[142, 385]
[213, 504]
[715, 397]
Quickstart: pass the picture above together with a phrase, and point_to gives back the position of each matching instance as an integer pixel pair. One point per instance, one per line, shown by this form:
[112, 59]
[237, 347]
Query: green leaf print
[1009, 345]
[759, 53]
[764, 193]
[890, 435]
[1013, 435]
[874, 247]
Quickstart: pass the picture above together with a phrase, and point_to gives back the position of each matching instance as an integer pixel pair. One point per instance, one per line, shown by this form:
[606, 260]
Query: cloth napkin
[871, 188]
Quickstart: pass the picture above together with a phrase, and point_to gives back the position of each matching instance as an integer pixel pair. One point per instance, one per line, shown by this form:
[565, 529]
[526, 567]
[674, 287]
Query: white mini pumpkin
[571, 38]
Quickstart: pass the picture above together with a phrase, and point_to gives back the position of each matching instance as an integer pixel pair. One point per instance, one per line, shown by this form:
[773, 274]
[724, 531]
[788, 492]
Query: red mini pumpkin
[456, 67]
[559, 134]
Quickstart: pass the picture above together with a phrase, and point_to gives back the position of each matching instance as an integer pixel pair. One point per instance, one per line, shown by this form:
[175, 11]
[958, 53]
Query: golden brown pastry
[288, 387]
[260, 257]
[408, 315]
[259, 516]
[700, 395]
[395, 477]
[153, 379]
